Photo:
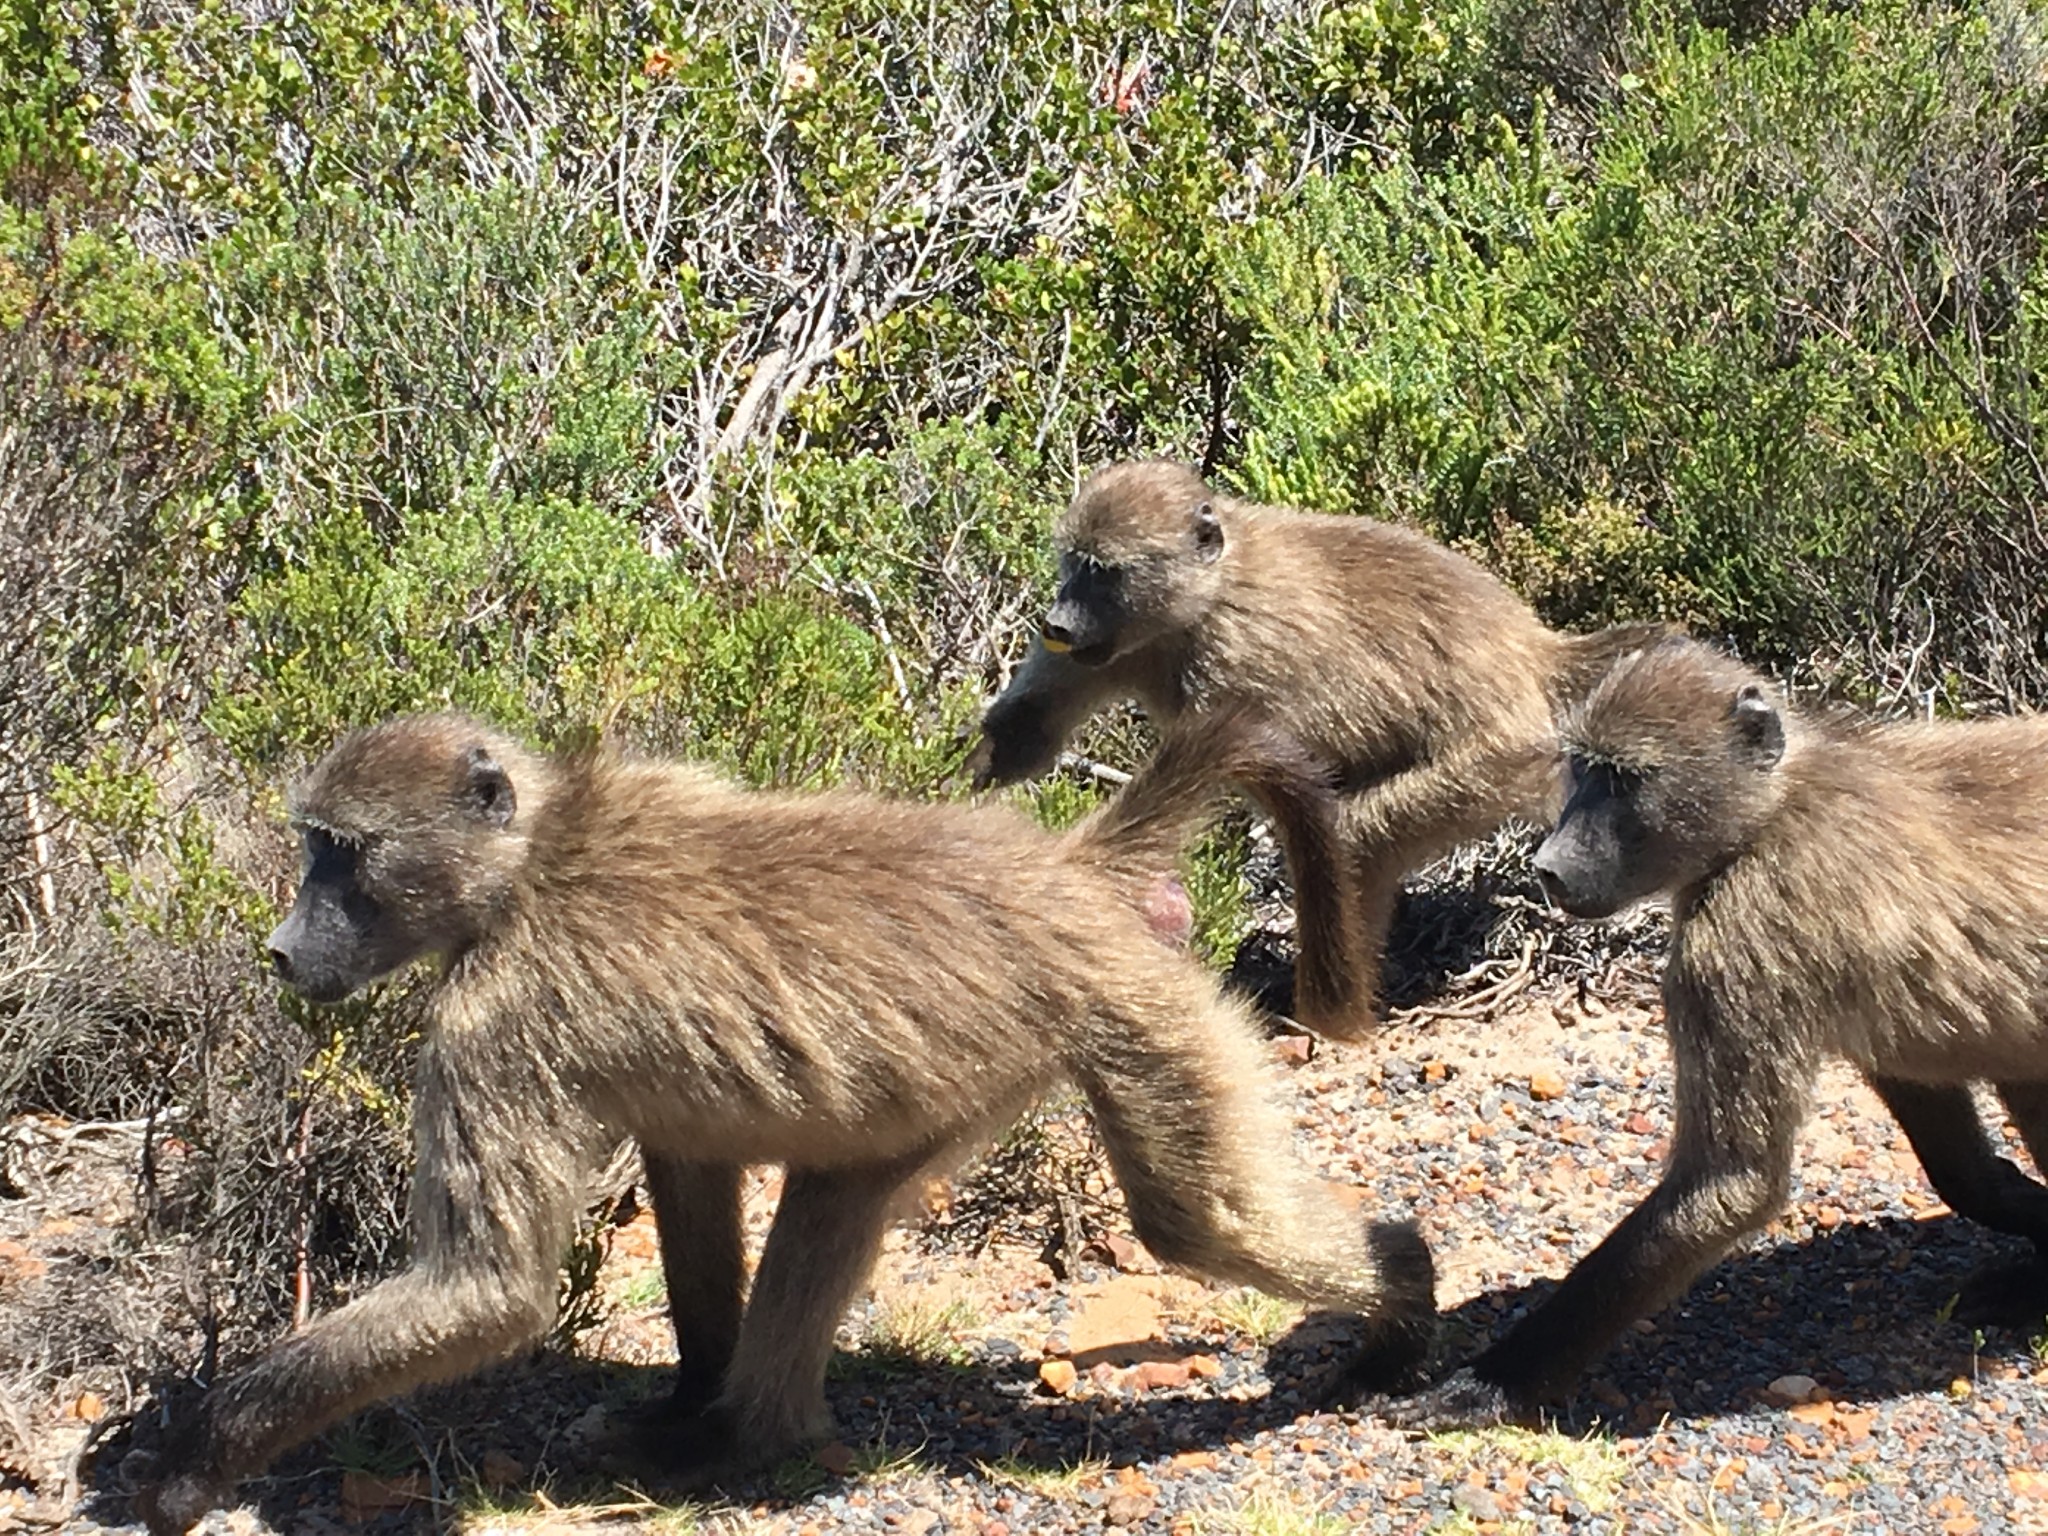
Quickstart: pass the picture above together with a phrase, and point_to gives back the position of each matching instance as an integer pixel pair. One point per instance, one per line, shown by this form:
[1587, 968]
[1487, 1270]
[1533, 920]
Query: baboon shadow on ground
[1863, 1309]
[1860, 1308]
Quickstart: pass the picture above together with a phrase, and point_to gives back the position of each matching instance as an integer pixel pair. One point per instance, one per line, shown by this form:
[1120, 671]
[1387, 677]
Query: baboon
[841, 983]
[1873, 892]
[1427, 684]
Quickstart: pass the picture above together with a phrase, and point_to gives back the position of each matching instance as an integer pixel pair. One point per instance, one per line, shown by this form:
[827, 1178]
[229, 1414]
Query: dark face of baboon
[1670, 767]
[1137, 552]
[410, 839]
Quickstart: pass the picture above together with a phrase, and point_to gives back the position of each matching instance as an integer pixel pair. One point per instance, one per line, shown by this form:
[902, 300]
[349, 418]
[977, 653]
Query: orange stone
[1058, 1376]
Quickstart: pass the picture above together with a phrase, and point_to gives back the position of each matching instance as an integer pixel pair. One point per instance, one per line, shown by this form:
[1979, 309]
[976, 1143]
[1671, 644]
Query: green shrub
[1760, 350]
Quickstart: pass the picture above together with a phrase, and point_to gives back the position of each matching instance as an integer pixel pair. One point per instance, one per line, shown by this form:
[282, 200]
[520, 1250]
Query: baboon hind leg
[2027, 1103]
[1949, 1138]
[1389, 828]
[827, 1229]
[703, 1258]
[1200, 1146]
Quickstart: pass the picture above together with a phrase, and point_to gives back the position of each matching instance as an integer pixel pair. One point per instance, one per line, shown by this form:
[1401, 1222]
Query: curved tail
[1584, 659]
[1141, 832]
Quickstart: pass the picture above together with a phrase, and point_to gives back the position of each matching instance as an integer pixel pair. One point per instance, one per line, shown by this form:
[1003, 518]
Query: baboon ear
[1208, 533]
[1758, 725]
[490, 788]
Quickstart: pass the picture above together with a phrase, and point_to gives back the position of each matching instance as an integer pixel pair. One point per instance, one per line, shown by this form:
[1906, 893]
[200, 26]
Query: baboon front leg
[1949, 1138]
[1048, 699]
[703, 1258]
[1199, 1144]
[494, 1200]
[454, 1310]
[820, 1249]
[1740, 1105]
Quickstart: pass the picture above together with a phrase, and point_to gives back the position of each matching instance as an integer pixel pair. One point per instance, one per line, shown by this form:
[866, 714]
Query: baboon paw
[980, 766]
[2013, 1294]
[172, 1507]
[690, 1396]
[1462, 1400]
[1347, 1022]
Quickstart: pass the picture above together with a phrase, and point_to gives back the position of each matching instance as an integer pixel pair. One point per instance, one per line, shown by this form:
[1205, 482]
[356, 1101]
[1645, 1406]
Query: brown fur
[1428, 683]
[845, 984]
[1840, 888]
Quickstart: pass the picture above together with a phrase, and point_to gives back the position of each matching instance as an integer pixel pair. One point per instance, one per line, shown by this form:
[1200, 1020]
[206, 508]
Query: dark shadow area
[550, 1415]
[1863, 1309]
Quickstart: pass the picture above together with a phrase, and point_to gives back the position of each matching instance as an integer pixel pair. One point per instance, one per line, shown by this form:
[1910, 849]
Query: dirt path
[1810, 1383]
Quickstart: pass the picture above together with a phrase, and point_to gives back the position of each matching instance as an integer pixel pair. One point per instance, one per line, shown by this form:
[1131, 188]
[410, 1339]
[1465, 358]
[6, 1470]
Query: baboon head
[414, 833]
[1672, 768]
[1138, 550]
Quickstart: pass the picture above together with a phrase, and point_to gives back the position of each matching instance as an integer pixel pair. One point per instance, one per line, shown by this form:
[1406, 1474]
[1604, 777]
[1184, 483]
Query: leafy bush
[1762, 351]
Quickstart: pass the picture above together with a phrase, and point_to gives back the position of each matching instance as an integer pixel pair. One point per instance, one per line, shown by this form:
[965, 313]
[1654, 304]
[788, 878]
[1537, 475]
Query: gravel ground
[1810, 1383]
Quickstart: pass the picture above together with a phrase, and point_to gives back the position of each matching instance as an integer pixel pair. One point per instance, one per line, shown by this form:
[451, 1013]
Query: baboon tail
[1143, 829]
[1584, 659]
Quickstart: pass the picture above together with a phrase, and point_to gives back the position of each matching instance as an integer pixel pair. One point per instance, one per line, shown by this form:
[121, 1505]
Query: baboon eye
[490, 788]
[1758, 725]
[329, 856]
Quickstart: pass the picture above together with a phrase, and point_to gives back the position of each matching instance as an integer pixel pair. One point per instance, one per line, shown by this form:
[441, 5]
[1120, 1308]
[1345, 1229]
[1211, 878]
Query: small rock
[917, 1521]
[15, 1257]
[1208, 1367]
[836, 1458]
[1293, 1050]
[1113, 1248]
[1435, 1071]
[500, 1469]
[637, 1239]
[1128, 1507]
[1477, 1502]
[1155, 1374]
[1791, 1389]
[90, 1406]
[1545, 1085]
[588, 1427]
[1058, 1376]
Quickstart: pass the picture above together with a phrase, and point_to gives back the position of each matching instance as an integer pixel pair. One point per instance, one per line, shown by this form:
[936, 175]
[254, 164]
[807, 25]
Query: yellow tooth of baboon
[1057, 647]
